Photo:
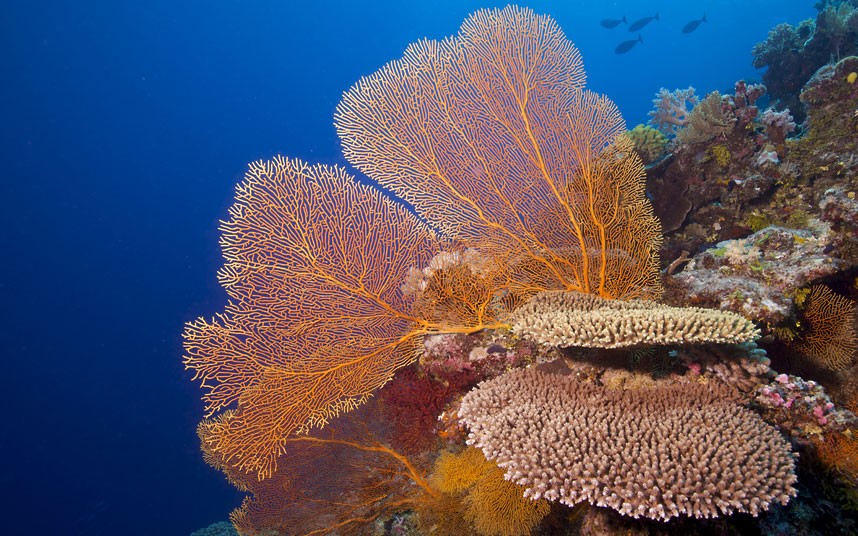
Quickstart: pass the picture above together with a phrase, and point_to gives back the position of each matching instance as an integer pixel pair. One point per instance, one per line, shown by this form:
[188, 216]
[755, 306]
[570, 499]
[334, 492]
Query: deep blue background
[125, 126]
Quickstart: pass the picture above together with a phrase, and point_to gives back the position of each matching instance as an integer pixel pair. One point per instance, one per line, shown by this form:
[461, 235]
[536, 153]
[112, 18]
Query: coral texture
[304, 277]
[706, 121]
[649, 142]
[567, 319]
[682, 450]
[497, 507]
[672, 109]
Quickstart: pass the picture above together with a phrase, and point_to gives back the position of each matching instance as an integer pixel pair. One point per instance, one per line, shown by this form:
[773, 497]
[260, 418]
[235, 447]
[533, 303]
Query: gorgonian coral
[493, 139]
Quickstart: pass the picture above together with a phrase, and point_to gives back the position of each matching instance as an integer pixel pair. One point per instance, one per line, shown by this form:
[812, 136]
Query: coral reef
[755, 276]
[801, 407]
[793, 53]
[515, 307]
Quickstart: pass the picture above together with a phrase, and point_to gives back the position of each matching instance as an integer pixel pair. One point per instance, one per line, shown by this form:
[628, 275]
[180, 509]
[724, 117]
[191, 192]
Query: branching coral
[706, 121]
[657, 452]
[672, 109]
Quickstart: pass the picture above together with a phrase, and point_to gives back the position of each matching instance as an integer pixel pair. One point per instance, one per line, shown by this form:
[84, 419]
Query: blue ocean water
[126, 127]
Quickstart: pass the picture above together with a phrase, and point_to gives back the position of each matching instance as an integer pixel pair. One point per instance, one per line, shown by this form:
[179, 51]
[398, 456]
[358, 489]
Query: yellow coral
[493, 505]
[497, 507]
[649, 142]
[456, 472]
[721, 155]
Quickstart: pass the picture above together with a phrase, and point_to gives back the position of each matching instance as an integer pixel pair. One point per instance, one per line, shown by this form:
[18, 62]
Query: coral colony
[537, 347]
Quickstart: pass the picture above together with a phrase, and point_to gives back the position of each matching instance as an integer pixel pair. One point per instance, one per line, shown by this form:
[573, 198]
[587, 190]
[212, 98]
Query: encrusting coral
[661, 452]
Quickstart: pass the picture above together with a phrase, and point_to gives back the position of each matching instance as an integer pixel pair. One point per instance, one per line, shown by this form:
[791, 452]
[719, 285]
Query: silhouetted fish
[625, 46]
[613, 23]
[691, 26]
[640, 23]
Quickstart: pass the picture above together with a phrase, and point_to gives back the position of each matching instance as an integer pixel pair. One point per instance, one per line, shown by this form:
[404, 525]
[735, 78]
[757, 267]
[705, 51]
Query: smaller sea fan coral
[497, 507]
[829, 339]
[568, 319]
[493, 505]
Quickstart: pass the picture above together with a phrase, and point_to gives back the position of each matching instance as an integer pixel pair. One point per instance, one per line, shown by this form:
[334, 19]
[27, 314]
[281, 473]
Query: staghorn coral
[567, 319]
[829, 338]
[493, 140]
[662, 452]
[491, 136]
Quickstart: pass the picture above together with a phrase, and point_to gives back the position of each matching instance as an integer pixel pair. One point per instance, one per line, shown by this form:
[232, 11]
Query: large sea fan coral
[657, 452]
[493, 140]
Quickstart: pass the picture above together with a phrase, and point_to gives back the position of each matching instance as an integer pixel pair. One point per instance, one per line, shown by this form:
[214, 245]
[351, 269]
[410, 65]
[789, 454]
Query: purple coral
[672, 109]
[778, 125]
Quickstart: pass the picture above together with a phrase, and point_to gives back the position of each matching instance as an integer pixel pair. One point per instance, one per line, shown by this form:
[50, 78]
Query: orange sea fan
[491, 136]
[316, 320]
[830, 338]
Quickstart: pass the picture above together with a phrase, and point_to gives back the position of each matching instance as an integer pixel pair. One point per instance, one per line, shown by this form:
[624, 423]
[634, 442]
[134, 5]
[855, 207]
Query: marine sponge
[565, 319]
[661, 452]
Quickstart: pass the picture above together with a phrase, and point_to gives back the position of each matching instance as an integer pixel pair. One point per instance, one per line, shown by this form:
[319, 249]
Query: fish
[613, 23]
[640, 23]
[691, 26]
[625, 46]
